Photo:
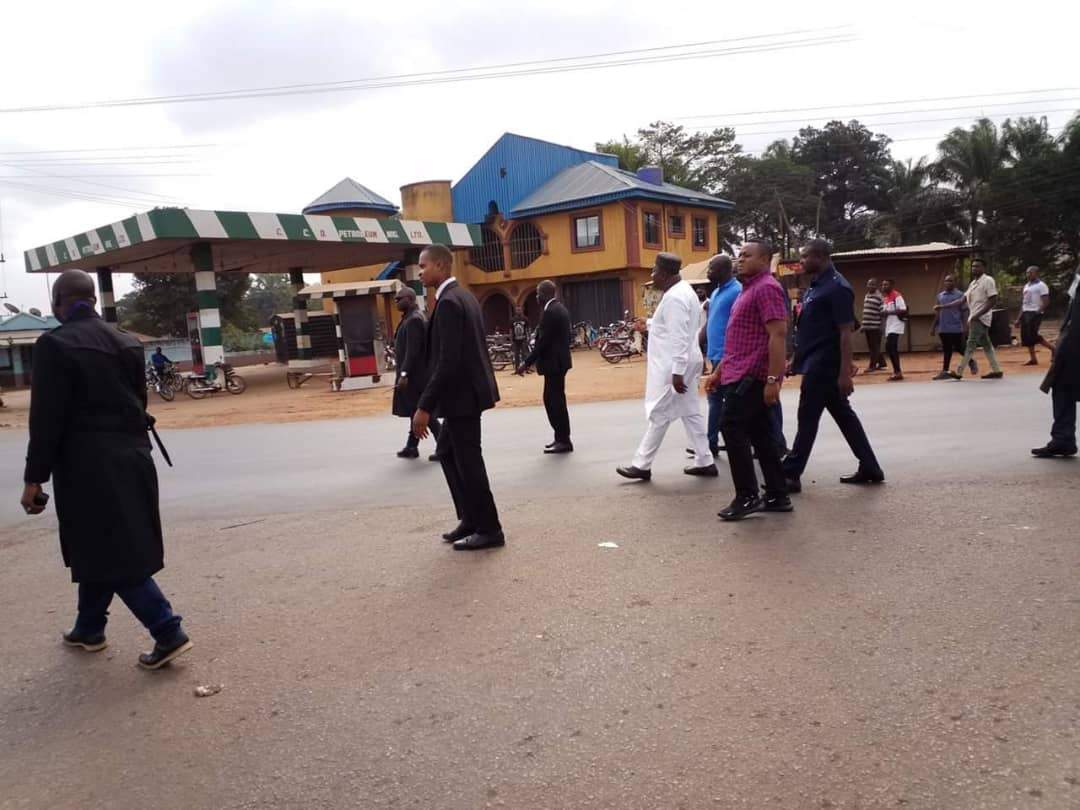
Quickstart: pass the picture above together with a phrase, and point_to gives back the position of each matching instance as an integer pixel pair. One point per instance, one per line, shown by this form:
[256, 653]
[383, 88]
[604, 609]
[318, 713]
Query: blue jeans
[716, 413]
[145, 600]
[776, 427]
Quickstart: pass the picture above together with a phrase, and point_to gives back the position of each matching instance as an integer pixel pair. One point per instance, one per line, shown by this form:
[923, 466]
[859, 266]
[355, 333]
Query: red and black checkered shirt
[746, 342]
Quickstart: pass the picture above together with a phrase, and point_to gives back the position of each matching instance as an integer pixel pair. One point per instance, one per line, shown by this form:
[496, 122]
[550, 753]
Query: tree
[970, 159]
[160, 302]
[850, 166]
[700, 161]
[269, 295]
[915, 209]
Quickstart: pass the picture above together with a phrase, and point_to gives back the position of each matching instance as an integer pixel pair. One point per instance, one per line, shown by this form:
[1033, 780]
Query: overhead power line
[133, 149]
[762, 43]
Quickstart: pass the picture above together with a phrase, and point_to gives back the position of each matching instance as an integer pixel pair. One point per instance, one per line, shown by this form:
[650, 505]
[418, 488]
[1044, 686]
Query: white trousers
[694, 425]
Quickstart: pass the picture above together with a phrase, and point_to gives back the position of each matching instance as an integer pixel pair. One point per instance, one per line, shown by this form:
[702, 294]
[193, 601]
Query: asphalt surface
[909, 645]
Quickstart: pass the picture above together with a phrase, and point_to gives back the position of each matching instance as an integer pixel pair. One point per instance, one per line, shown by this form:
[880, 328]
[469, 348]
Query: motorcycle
[160, 383]
[218, 377]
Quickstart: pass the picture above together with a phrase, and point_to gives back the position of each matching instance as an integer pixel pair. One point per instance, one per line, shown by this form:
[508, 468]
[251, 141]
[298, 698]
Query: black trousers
[892, 348]
[433, 426]
[746, 423]
[815, 397]
[462, 461]
[555, 405]
[1063, 431]
[951, 342]
[873, 344]
[520, 349]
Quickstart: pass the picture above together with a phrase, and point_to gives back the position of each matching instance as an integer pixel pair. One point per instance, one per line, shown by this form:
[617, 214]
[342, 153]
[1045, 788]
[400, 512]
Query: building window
[489, 255]
[701, 233]
[526, 245]
[676, 226]
[586, 232]
[652, 228]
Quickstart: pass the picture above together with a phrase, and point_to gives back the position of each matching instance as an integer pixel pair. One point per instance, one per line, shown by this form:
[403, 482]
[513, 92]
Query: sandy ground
[269, 399]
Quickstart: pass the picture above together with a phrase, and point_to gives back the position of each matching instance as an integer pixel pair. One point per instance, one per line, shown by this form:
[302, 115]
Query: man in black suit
[410, 350]
[1062, 381]
[551, 356]
[461, 386]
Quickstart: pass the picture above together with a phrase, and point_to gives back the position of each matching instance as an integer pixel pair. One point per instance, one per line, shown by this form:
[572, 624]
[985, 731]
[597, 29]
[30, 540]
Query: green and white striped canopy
[127, 245]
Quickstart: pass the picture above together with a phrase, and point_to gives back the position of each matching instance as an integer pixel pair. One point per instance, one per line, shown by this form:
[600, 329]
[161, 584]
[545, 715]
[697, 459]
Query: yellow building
[551, 211]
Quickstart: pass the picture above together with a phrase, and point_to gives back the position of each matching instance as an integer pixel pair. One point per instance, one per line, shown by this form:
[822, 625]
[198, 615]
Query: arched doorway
[532, 309]
[497, 310]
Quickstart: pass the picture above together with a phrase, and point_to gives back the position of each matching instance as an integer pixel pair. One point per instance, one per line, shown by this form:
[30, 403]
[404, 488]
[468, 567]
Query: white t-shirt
[978, 293]
[893, 324]
[1033, 295]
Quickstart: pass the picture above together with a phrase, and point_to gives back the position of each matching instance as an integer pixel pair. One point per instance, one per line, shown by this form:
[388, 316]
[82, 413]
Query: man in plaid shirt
[752, 369]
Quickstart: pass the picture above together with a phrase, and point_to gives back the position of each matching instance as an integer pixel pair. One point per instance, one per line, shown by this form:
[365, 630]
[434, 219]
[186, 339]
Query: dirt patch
[269, 399]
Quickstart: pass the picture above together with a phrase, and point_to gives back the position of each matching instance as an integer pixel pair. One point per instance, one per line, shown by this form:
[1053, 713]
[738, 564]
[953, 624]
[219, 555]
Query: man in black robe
[88, 432]
[410, 352]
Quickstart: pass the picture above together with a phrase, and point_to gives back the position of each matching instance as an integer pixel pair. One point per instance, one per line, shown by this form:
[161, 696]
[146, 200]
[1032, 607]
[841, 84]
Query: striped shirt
[872, 307]
[746, 343]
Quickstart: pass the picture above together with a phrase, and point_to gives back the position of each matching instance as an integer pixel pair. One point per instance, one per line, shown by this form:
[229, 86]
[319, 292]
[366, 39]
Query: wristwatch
[771, 380]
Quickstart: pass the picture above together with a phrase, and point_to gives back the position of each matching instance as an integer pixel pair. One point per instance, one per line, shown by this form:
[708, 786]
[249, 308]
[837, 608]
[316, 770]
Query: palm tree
[968, 159]
[916, 209]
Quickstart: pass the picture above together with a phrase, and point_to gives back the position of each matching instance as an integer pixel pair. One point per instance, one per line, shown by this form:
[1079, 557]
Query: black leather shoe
[777, 503]
[861, 477]
[550, 444]
[1053, 451]
[91, 643]
[993, 375]
[741, 507]
[708, 471]
[475, 542]
[460, 533]
[408, 452]
[561, 447]
[954, 375]
[634, 473]
[433, 457]
[794, 486]
[162, 654]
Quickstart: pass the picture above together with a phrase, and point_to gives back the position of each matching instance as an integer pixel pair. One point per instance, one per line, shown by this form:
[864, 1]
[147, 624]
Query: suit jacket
[88, 426]
[551, 356]
[410, 350]
[1065, 366]
[461, 381]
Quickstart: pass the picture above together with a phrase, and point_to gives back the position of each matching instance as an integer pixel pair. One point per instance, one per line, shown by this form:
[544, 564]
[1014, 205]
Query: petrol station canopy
[160, 241]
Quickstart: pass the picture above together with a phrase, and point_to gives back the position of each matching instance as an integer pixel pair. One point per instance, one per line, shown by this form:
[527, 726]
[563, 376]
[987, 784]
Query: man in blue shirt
[823, 357]
[949, 325]
[720, 273]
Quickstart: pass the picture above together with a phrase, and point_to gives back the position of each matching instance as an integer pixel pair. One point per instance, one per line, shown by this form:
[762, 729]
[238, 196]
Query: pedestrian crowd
[89, 425]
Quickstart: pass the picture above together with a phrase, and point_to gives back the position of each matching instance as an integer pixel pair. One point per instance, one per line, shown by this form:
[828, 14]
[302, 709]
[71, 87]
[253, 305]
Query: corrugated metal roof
[349, 194]
[26, 321]
[940, 248]
[512, 169]
[592, 182]
[348, 289]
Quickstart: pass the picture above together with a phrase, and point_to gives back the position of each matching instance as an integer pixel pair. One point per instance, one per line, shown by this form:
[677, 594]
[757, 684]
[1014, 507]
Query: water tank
[427, 201]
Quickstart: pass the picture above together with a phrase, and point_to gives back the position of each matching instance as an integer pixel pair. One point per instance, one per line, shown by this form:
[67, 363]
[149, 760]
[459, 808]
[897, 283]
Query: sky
[890, 65]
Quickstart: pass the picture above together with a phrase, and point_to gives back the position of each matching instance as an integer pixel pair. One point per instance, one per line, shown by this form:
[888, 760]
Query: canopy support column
[342, 359]
[303, 329]
[106, 296]
[206, 298]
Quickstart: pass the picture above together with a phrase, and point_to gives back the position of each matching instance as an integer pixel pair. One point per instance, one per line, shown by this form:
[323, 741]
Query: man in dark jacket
[1062, 382]
[461, 386]
[410, 351]
[551, 356]
[88, 432]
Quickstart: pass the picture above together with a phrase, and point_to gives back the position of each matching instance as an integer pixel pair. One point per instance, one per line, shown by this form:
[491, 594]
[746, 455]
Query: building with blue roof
[552, 211]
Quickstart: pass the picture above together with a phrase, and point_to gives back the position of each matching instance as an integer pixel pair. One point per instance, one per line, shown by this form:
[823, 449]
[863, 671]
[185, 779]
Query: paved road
[918, 430]
[912, 645]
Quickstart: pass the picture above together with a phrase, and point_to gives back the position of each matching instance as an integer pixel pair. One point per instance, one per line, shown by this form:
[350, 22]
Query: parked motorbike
[160, 383]
[218, 377]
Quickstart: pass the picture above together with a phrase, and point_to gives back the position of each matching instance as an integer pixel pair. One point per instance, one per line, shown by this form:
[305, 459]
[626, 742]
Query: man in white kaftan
[674, 368]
